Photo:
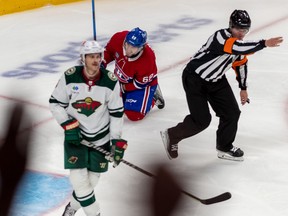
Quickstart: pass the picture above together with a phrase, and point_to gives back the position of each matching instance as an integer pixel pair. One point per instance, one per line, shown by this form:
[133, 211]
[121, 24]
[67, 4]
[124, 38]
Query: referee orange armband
[229, 45]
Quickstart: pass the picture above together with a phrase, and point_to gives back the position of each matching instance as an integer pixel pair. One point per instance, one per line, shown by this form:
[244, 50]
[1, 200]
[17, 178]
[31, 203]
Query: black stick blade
[217, 199]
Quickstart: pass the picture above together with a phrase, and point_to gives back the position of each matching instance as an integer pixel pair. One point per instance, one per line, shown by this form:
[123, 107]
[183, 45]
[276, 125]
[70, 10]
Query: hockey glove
[119, 146]
[72, 132]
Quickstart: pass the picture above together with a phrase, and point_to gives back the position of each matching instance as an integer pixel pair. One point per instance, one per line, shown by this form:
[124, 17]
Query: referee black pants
[222, 100]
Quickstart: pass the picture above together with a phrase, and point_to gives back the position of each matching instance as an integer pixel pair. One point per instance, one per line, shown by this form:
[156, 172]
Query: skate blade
[225, 156]
[165, 144]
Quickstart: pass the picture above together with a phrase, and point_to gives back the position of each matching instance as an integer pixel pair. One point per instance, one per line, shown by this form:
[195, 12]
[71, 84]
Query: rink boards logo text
[51, 63]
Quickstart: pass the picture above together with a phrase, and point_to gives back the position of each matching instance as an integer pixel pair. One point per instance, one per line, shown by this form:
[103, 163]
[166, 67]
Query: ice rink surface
[37, 46]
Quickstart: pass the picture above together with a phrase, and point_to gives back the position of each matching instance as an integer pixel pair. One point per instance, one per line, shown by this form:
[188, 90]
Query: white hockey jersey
[97, 106]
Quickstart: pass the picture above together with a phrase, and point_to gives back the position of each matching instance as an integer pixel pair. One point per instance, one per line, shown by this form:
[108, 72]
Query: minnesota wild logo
[73, 159]
[86, 106]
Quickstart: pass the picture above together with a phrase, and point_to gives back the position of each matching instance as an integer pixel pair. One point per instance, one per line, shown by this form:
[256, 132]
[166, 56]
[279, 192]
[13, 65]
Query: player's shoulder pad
[109, 79]
[112, 76]
[74, 74]
[70, 71]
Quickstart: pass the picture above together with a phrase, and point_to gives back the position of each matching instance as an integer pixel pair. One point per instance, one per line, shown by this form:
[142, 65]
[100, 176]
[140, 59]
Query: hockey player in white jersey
[87, 103]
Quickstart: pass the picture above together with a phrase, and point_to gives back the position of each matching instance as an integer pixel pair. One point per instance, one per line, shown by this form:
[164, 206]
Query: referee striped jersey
[220, 53]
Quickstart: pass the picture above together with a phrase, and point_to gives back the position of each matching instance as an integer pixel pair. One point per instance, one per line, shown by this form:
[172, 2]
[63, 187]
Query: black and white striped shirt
[220, 53]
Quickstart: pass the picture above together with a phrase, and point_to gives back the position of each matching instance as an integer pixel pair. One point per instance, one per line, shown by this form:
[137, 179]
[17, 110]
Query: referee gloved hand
[72, 131]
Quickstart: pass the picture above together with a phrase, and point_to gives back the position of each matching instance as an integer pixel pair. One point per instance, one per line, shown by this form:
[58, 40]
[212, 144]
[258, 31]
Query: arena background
[39, 45]
[12, 6]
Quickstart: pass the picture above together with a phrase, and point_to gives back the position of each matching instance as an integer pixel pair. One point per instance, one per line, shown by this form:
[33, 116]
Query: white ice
[259, 185]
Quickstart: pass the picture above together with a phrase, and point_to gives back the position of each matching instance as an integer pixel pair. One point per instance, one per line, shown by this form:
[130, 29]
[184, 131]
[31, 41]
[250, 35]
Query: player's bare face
[239, 33]
[92, 64]
[131, 50]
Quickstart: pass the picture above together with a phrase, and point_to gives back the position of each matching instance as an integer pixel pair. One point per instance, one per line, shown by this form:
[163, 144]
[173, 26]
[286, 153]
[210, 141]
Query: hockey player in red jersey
[136, 69]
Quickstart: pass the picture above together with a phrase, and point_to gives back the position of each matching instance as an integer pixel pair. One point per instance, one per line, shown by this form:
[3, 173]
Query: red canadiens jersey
[134, 73]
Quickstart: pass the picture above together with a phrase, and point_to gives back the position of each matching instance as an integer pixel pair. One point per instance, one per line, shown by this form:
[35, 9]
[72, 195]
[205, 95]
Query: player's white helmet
[89, 47]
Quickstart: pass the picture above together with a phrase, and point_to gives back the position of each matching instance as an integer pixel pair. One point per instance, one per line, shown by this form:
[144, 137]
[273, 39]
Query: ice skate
[235, 154]
[69, 211]
[158, 98]
[171, 149]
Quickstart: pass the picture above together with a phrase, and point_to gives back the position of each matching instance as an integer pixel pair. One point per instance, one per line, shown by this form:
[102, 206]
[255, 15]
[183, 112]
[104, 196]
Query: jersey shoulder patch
[70, 71]
[112, 76]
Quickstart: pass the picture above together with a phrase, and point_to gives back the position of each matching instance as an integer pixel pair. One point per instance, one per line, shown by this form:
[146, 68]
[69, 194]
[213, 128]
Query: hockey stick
[93, 20]
[220, 198]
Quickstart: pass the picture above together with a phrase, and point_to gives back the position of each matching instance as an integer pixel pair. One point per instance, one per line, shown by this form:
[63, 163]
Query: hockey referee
[204, 82]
